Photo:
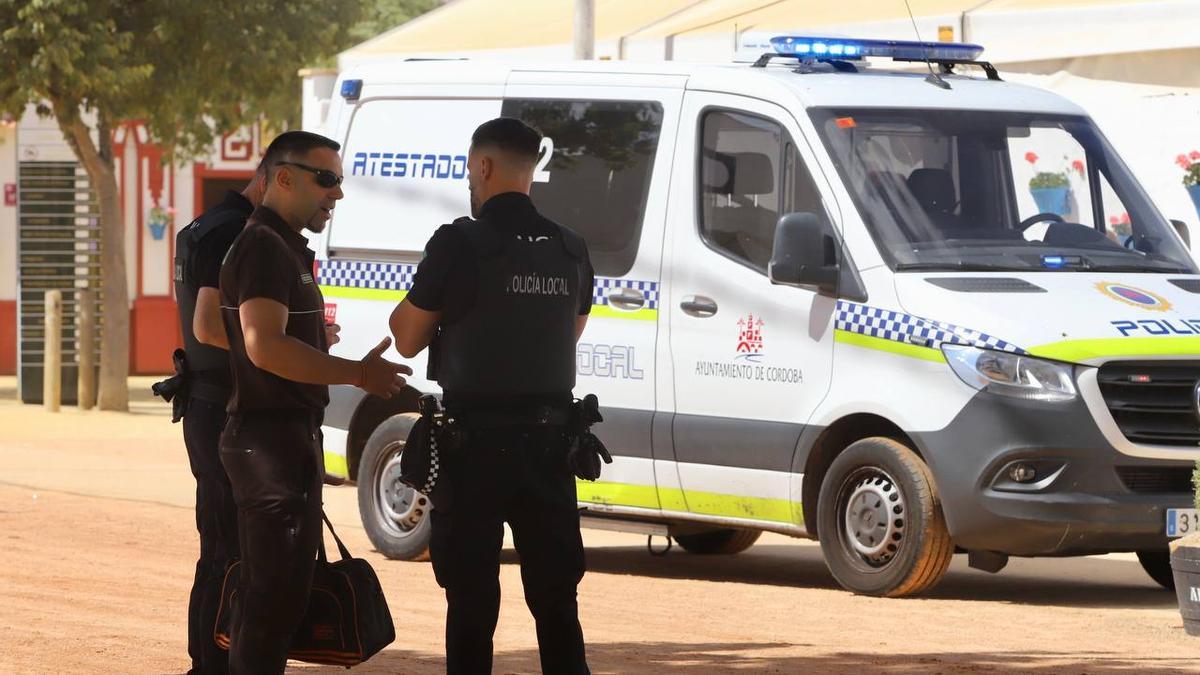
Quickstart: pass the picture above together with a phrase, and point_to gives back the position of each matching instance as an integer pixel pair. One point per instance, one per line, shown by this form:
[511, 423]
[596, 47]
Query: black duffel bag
[347, 620]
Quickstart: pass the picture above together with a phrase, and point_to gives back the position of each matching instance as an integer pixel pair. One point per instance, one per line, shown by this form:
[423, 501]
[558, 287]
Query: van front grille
[1156, 479]
[1154, 402]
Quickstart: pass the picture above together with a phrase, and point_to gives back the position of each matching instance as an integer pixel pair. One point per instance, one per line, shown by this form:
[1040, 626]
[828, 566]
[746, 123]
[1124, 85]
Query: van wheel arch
[830, 443]
[370, 413]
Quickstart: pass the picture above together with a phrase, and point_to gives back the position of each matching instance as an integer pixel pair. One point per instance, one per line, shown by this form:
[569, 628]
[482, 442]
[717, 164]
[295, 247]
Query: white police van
[908, 313]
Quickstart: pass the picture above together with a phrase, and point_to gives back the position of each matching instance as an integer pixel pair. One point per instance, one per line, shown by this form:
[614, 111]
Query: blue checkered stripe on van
[399, 277]
[909, 329]
[605, 285]
[360, 274]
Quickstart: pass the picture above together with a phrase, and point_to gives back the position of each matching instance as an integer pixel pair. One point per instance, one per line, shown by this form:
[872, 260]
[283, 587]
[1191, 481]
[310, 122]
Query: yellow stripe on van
[598, 311]
[609, 312]
[707, 503]
[352, 293]
[1077, 351]
[335, 465]
[880, 344]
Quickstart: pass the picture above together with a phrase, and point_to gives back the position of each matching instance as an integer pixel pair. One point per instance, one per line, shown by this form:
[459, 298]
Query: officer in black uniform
[199, 249]
[507, 296]
[273, 314]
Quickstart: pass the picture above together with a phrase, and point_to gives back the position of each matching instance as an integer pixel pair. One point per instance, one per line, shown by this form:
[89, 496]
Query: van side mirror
[1182, 228]
[804, 255]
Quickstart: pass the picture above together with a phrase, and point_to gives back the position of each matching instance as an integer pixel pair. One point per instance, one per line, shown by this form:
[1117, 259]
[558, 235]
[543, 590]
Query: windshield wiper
[959, 266]
[1138, 268]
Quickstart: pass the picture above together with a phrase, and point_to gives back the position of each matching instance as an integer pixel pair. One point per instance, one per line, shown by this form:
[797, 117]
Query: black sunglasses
[325, 178]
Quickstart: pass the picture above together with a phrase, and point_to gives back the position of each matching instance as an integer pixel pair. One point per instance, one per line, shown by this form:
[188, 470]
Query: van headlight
[1012, 375]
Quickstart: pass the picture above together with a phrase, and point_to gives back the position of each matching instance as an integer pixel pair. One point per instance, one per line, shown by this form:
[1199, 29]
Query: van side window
[597, 177]
[750, 175]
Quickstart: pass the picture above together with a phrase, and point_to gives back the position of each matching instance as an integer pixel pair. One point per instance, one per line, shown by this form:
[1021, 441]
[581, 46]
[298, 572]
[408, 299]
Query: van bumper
[1086, 497]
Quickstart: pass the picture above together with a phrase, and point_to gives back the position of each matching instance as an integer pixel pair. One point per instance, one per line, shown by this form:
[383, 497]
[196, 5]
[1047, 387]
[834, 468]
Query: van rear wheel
[718, 542]
[395, 516]
[880, 521]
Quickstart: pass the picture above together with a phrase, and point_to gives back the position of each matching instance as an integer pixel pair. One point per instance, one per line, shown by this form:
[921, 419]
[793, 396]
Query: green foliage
[1196, 485]
[1191, 176]
[190, 70]
[1048, 179]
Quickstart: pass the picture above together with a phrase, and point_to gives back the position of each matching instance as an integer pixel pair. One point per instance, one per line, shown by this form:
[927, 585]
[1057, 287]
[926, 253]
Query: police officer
[199, 249]
[274, 319]
[508, 295]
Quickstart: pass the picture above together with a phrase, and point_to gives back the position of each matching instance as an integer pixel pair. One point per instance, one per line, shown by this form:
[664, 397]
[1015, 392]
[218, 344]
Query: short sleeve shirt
[448, 275]
[271, 260]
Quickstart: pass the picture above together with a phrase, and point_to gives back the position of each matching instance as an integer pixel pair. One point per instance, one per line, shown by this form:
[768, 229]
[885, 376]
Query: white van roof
[870, 87]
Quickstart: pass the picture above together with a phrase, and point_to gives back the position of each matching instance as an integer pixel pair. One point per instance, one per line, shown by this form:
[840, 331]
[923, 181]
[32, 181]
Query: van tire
[401, 528]
[1158, 565]
[908, 555]
[718, 542]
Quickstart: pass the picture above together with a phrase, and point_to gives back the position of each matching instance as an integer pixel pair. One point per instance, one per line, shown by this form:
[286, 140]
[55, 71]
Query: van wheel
[881, 523]
[723, 542]
[1158, 565]
[395, 516]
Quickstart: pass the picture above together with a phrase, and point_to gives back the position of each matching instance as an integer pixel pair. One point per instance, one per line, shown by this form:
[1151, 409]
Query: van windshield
[979, 190]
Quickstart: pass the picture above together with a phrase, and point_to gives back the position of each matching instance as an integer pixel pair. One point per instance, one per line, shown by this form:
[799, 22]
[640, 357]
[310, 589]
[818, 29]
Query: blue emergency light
[351, 89]
[846, 49]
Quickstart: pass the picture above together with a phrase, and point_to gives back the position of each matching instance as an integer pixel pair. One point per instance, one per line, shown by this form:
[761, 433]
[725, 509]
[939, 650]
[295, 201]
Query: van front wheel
[395, 516]
[880, 521]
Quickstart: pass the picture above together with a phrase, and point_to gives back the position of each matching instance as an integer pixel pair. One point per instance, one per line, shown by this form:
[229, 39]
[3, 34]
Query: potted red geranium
[1190, 163]
[1051, 190]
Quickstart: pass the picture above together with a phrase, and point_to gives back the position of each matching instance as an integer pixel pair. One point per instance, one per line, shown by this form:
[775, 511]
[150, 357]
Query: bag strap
[341, 547]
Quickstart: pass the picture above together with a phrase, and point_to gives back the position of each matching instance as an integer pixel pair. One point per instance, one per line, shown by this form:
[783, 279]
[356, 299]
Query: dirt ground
[97, 547]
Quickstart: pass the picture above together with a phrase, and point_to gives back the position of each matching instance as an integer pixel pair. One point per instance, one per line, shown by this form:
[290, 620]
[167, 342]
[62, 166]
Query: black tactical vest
[519, 336]
[200, 357]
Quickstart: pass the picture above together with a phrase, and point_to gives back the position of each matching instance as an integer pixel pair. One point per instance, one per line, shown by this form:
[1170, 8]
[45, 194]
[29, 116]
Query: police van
[909, 312]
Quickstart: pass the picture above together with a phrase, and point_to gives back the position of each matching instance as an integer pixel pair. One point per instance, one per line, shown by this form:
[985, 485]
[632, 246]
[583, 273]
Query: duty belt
[495, 419]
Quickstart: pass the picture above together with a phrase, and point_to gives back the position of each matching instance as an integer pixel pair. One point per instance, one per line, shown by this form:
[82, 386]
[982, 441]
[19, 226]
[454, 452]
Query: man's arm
[413, 328]
[580, 324]
[269, 347]
[206, 322]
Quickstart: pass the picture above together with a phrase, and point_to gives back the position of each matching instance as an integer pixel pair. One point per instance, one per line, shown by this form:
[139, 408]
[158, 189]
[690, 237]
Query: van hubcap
[401, 508]
[875, 517]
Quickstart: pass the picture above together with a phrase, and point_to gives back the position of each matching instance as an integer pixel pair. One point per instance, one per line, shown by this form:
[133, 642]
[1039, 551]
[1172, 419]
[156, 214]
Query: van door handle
[626, 298]
[698, 306]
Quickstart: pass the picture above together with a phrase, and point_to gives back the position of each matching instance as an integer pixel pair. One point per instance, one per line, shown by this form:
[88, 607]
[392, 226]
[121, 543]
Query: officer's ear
[487, 166]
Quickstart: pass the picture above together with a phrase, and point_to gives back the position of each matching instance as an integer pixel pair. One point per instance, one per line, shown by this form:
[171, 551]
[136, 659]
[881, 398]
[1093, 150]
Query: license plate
[1182, 521]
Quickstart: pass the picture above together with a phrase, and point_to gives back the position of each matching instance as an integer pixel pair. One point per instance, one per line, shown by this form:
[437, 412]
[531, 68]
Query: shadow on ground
[1078, 582]
[755, 657]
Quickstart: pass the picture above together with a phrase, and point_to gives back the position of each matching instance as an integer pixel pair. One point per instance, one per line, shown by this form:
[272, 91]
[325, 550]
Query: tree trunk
[114, 337]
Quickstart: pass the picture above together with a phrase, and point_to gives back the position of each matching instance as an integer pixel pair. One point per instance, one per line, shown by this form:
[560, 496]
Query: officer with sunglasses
[273, 316]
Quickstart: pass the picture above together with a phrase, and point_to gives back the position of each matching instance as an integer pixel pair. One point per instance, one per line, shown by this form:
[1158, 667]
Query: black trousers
[273, 465]
[519, 477]
[216, 520]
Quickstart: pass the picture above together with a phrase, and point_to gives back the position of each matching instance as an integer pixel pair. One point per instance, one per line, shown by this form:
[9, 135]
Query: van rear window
[595, 169]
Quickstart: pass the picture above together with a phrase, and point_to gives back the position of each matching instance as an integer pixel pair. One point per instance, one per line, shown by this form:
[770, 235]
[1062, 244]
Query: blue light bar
[351, 89]
[847, 49]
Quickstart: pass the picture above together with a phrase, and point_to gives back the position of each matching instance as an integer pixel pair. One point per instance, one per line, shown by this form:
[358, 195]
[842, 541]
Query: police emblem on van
[1137, 297]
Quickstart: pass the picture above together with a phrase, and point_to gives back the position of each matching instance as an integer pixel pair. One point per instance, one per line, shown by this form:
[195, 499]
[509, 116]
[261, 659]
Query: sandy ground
[97, 546]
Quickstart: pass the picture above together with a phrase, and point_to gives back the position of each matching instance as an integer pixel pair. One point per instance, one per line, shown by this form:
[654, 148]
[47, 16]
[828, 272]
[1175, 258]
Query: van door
[604, 172]
[751, 360]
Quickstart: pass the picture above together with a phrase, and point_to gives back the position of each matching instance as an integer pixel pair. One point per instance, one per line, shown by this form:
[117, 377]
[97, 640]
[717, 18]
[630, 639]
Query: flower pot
[1051, 200]
[157, 230]
[1185, 565]
[1194, 193]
